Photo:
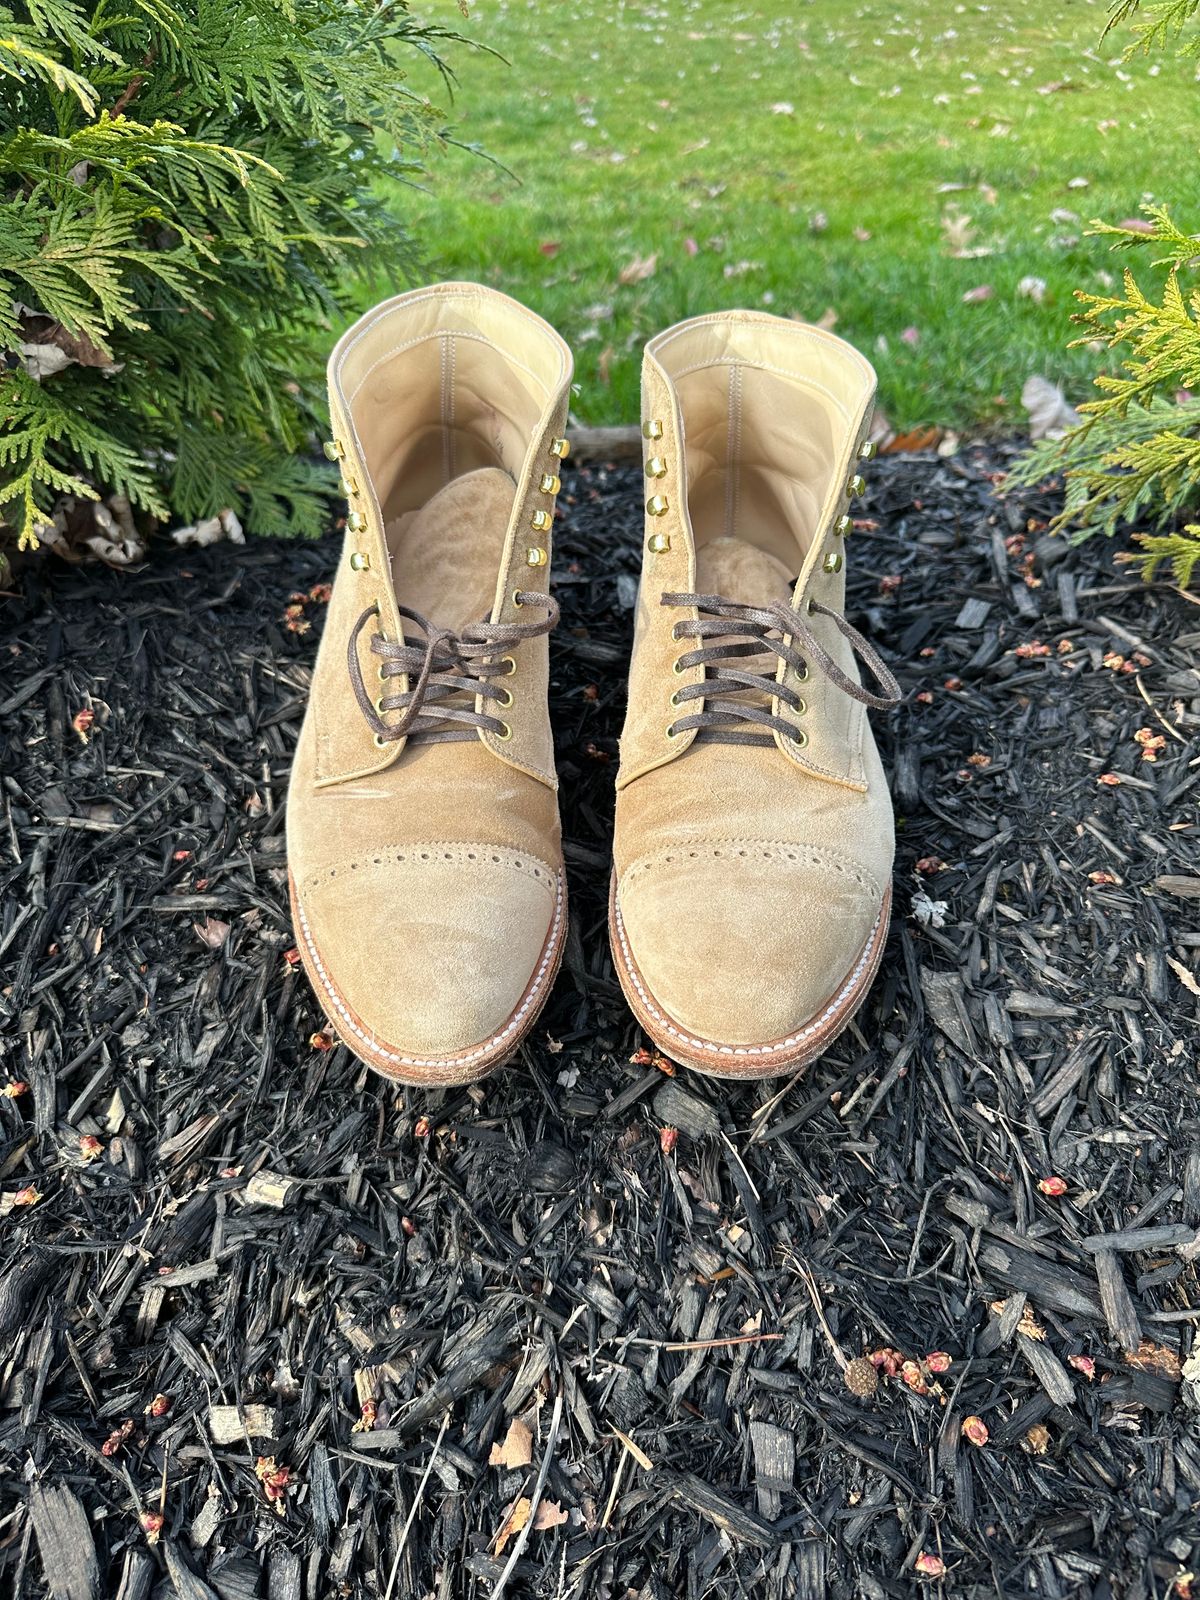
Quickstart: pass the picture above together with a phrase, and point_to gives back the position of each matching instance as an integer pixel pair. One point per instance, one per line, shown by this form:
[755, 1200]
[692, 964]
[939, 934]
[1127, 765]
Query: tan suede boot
[753, 847]
[423, 839]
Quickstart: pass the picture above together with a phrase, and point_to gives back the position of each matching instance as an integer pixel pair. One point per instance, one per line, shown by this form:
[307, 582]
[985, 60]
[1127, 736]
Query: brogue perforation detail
[461, 854]
[734, 847]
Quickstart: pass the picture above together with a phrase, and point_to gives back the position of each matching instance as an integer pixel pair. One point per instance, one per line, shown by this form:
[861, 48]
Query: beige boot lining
[762, 432]
[447, 390]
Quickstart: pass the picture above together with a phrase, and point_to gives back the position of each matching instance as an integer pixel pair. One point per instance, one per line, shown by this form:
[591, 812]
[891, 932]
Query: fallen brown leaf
[914, 439]
[514, 1521]
[1156, 1359]
[549, 1515]
[211, 932]
[1184, 975]
[517, 1449]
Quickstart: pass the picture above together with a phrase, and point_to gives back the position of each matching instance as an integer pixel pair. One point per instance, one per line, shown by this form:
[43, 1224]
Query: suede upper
[749, 877]
[427, 876]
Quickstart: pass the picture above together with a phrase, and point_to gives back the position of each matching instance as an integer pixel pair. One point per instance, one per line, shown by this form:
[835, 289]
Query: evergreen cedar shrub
[1136, 454]
[186, 194]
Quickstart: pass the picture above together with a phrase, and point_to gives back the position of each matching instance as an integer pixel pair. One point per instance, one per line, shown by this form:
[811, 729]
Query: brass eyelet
[798, 737]
[379, 705]
[507, 734]
[380, 741]
[678, 668]
[507, 701]
[380, 670]
[672, 731]
[512, 665]
[802, 674]
[517, 598]
[800, 708]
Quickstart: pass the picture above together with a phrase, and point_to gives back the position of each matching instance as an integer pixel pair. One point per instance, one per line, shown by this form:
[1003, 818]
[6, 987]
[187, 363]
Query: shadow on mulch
[390, 1284]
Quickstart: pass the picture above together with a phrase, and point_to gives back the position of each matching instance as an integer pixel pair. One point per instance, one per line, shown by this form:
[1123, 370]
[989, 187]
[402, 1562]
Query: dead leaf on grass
[639, 269]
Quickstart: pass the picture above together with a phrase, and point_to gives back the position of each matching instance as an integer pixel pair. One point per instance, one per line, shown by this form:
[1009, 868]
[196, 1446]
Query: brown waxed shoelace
[723, 619]
[444, 664]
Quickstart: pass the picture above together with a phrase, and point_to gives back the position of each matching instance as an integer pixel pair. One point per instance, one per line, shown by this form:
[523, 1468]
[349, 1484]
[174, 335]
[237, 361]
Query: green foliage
[1130, 466]
[186, 192]
[1164, 23]
[1136, 453]
[1181, 550]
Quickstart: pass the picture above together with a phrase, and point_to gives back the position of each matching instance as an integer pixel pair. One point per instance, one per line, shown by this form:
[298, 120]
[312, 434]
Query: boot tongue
[445, 556]
[739, 571]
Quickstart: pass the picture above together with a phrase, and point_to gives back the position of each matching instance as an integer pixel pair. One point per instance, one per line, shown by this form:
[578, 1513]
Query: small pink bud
[975, 1429]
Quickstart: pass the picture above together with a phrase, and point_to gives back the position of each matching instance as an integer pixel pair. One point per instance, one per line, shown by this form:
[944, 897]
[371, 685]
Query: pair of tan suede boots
[753, 839]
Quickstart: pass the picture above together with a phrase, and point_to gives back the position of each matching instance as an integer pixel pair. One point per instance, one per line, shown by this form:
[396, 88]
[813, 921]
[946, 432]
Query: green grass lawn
[873, 161]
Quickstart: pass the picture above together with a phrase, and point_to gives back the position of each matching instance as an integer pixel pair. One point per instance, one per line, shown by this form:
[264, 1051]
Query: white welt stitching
[746, 1049]
[488, 1045]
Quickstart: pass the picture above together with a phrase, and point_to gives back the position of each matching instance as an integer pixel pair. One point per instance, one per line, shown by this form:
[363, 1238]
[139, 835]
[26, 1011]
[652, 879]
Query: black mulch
[380, 1289]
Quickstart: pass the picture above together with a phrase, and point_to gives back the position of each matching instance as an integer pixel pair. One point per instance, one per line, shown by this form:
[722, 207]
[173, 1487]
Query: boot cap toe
[744, 943]
[432, 954]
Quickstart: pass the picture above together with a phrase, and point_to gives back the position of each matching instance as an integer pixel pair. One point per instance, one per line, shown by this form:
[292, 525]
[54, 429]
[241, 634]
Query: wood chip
[227, 1425]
